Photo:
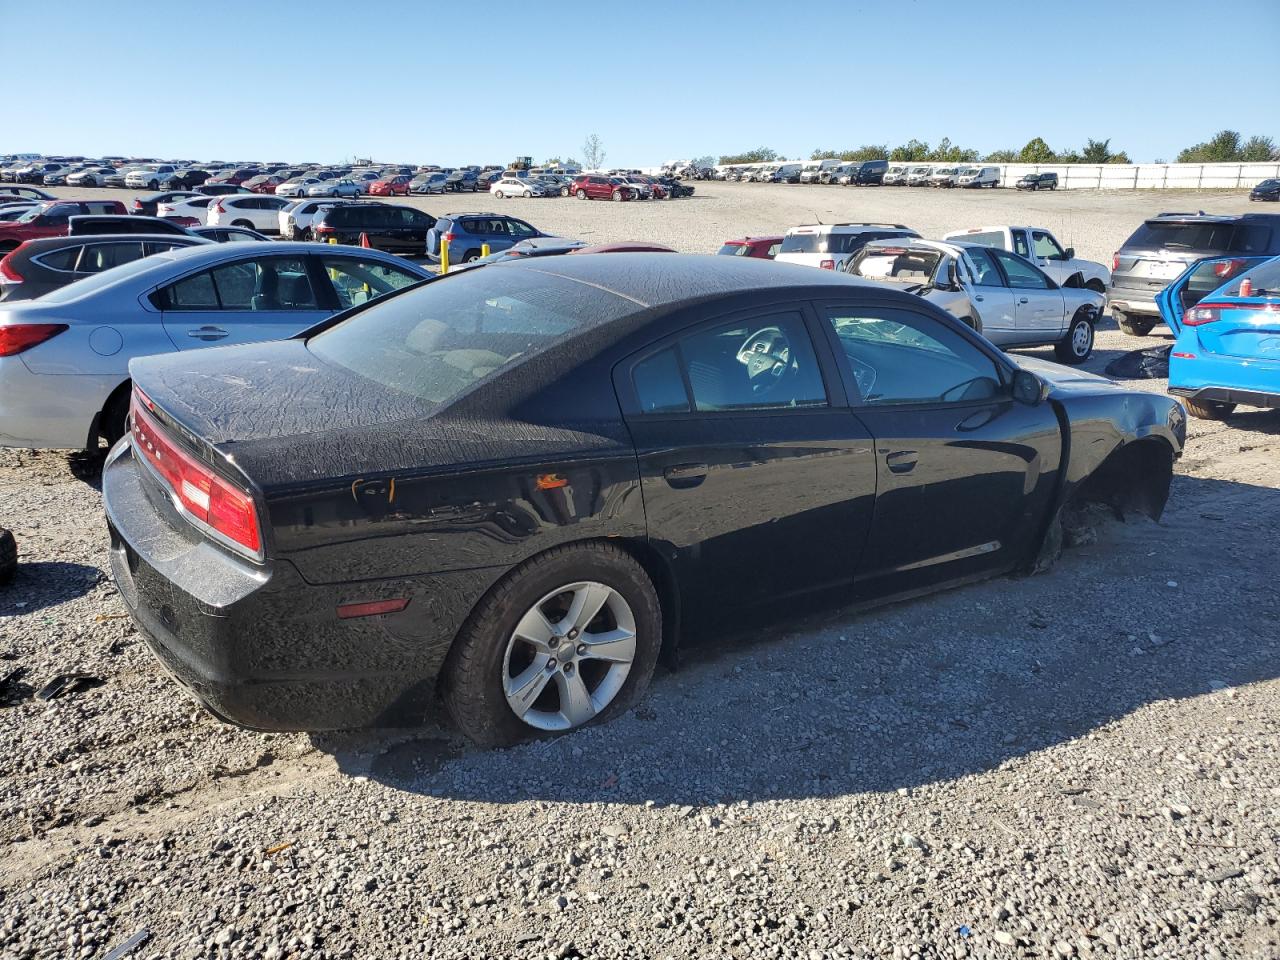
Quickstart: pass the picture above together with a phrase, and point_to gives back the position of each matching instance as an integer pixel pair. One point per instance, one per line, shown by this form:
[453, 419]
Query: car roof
[851, 227]
[660, 279]
[952, 247]
[54, 243]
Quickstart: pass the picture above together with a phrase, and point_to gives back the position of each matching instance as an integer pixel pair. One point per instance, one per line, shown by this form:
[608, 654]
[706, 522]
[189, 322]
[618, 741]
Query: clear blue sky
[463, 82]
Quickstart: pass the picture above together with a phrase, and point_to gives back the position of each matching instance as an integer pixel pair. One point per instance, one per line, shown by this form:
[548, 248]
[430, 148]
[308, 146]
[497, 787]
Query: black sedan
[512, 487]
[1266, 190]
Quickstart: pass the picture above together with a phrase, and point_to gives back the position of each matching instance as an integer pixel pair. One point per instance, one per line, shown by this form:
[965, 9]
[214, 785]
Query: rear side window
[1182, 235]
[64, 259]
[103, 206]
[359, 281]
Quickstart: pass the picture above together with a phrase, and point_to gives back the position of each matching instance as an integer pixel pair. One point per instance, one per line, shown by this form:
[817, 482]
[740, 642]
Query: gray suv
[1164, 246]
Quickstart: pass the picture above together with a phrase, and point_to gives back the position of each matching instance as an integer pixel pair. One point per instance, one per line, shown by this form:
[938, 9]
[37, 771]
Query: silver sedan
[1005, 297]
[64, 357]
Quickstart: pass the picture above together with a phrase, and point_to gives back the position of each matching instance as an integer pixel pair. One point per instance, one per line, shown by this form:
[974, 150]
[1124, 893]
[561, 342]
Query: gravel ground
[1081, 763]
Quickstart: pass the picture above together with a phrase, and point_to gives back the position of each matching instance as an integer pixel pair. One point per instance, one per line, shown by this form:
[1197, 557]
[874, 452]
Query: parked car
[1006, 298]
[517, 187]
[918, 175]
[865, 173]
[60, 389]
[36, 172]
[555, 426]
[296, 187]
[1266, 190]
[335, 188]
[229, 234]
[10, 212]
[149, 176]
[1041, 247]
[296, 217]
[149, 205]
[675, 188]
[829, 245]
[234, 177]
[461, 180]
[389, 227]
[428, 183]
[39, 266]
[895, 176]
[189, 178]
[943, 177]
[259, 212]
[188, 212]
[51, 219]
[978, 177]
[222, 189]
[89, 177]
[595, 187]
[397, 186]
[762, 248]
[641, 188]
[1037, 181]
[1225, 350]
[468, 232]
[95, 224]
[1164, 246]
[26, 193]
[264, 183]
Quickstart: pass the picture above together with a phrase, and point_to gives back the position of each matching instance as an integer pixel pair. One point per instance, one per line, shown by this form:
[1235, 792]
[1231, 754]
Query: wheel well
[1134, 477]
[119, 395]
[664, 582]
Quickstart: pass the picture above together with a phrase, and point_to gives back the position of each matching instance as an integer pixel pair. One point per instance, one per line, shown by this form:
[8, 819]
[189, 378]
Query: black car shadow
[832, 702]
[44, 584]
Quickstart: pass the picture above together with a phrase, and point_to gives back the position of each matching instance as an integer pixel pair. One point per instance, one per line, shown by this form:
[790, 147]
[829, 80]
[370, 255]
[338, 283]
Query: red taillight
[322, 228]
[1183, 356]
[1227, 268]
[1199, 315]
[1115, 262]
[449, 238]
[17, 337]
[218, 208]
[373, 608]
[7, 273]
[827, 265]
[137, 204]
[203, 495]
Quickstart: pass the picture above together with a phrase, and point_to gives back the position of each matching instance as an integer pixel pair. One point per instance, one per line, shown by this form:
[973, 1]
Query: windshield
[735, 249]
[440, 340]
[896, 263]
[1174, 235]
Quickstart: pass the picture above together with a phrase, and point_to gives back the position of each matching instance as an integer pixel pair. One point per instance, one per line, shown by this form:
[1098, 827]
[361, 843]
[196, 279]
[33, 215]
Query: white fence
[1146, 176]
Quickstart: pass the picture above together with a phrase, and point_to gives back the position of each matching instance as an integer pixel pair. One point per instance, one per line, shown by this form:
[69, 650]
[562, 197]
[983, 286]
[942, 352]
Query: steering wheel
[767, 356]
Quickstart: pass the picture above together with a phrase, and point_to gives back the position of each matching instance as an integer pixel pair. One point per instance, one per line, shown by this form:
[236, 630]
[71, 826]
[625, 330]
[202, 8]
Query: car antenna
[818, 220]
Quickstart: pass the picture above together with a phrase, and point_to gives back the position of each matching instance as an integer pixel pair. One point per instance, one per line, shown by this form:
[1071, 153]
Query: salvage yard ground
[1081, 763]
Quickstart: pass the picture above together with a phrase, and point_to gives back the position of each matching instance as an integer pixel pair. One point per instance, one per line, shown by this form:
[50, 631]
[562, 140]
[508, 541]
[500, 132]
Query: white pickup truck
[1041, 248]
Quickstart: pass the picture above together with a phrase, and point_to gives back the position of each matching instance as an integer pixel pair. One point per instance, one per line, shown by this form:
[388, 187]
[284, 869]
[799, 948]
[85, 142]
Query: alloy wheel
[569, 656]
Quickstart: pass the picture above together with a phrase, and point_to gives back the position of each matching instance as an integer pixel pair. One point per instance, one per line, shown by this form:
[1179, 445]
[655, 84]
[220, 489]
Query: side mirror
[1028, 388]
[1069, 253]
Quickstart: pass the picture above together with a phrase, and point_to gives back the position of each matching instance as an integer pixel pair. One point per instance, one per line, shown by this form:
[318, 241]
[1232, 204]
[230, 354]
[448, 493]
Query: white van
[896, 175]
[829, 245]
[978, 177]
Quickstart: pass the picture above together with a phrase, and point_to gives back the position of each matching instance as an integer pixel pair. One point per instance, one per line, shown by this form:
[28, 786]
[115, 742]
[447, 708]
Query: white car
[1005, 297]
[148, 177]
[977, 177]
[296, 187]
[517, 187]
[89, 177]
[258, 211]
[196, 207]
[295, 218]
[335, 188]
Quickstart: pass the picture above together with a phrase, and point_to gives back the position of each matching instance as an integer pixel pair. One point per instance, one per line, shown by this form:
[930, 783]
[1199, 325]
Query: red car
[52, 219]
[390, 187]
[234, 178]
[765, 248]
[594, 187]
[264, 183]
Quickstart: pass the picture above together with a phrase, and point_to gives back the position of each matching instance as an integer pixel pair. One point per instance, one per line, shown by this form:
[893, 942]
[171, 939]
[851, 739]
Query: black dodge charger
[514, 486]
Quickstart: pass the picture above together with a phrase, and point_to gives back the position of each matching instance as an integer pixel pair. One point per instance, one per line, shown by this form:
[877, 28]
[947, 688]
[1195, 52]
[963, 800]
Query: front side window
[659, 383]
[758, 364]
[900, 357]
[1022, 275]
[1047, 247]
[985, 272]
[359, 281]
[273, 283]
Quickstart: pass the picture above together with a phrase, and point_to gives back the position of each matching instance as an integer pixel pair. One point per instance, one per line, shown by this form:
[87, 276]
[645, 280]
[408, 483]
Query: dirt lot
[1081, 763]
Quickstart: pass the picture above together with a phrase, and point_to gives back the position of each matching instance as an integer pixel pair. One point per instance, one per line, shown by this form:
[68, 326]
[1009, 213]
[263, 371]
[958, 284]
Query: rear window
[735, 249]
[836, 242]
[1183, 235]
[437, 342]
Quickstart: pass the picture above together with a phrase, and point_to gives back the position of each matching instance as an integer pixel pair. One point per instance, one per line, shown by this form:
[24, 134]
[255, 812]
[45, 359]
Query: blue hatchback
[469, 233]
[1225, 315]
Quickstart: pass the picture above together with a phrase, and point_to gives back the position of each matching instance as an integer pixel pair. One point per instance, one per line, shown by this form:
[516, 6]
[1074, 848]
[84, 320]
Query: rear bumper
[1132, 301]
[1250, 398]
[258, 645]
[1214, 377]
[46, 412]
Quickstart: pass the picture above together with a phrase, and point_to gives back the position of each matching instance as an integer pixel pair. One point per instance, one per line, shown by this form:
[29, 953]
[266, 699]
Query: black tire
[242, 223]
[1133, 326]
[498, 194]
[153, 186]
[527, 194]
[472, 678]
[617, 194]
[470, 255]
[582, 194]
[8, 556]
[1209, 409]
[1096, 285]
[1077, 343]
[115, 416]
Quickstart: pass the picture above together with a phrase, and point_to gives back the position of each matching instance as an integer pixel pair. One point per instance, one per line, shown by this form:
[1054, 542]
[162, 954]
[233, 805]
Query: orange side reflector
[551, 481]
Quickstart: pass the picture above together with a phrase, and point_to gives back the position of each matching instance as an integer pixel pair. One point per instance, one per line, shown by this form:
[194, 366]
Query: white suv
[829, 245]
[258, 211]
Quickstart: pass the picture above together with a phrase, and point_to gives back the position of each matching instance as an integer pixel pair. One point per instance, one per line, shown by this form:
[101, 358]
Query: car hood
[1068, 381]
[285, 418]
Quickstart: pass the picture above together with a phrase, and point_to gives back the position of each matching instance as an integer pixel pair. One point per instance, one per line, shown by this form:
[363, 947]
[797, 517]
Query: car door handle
[207, 333]
[902, 461]
[685, 475]
[1023, 300]
[979, 297]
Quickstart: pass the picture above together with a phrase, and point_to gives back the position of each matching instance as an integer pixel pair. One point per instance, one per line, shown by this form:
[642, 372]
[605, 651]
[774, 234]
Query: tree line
[1227, 146]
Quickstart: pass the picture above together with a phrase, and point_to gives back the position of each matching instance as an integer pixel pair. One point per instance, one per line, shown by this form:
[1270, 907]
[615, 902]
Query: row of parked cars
[883, 173]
